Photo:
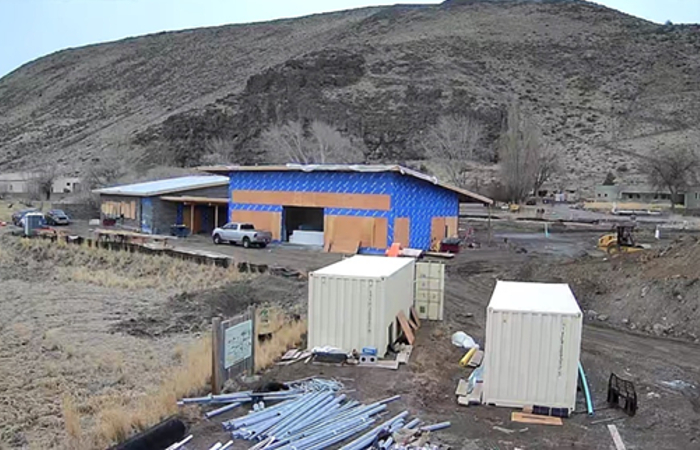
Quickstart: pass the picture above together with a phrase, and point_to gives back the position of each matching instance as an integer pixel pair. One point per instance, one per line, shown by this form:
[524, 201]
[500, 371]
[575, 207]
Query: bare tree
[320, 144]
[43, 181]
[453, 142]
[219, 151]
[109, 169]
[547, 165]
[519, 154]
[674, 169]
[286, 142]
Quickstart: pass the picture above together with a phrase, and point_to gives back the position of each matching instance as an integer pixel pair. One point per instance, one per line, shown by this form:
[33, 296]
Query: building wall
[115, 205]
[63, 185]
[212, 192]
[163, 215]
[367, 209]
[422, 202]
[692, 199]
[607, 193]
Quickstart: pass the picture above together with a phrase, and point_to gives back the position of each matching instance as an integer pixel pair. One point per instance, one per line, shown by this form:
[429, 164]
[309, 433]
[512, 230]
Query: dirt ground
[94, 341]
[665, 372]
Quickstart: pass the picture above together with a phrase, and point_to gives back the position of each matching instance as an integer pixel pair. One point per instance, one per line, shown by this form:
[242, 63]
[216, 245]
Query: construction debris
[617, 439]
[535, 419]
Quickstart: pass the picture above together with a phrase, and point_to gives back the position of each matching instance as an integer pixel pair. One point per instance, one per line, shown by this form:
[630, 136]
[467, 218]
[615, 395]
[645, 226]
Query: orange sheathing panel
[378, 202]
[342, 230]
[402, 227]
[346, 246]
[262, 220]
[452, 226]
[381, 230]
[437, 231]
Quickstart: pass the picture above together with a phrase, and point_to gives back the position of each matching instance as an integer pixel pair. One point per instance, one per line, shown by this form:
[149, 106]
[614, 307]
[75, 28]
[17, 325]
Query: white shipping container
[353, 303]
[533, 343]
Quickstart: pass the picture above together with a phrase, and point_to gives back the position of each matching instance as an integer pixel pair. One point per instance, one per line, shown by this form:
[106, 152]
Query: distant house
[639, 194]
[197, 201]
[16, 183]
[22, 184]
[65, 185]
[692, 199]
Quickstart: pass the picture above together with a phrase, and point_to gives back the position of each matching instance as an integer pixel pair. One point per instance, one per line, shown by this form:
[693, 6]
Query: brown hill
[602, 84]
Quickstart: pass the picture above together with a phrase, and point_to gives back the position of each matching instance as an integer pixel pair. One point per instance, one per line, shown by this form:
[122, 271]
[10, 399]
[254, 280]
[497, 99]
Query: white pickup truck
[241, 233]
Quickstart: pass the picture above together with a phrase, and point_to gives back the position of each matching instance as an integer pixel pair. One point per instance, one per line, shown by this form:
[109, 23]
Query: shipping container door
[430, 290]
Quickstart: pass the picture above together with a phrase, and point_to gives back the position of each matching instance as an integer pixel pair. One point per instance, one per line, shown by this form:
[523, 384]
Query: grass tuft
[289, 334]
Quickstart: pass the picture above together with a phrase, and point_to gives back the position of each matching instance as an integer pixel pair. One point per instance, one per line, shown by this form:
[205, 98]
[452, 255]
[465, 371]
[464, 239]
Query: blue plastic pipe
[586, 392]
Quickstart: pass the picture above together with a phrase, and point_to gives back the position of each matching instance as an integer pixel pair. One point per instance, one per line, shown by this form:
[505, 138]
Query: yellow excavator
[621, 241]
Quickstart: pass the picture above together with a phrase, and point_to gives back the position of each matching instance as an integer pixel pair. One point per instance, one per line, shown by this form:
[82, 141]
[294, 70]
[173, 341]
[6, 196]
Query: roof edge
[106, 191]
[228, 169]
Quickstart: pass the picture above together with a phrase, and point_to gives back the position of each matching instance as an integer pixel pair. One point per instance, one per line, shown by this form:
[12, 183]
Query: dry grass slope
[113, 418]
[116, 269]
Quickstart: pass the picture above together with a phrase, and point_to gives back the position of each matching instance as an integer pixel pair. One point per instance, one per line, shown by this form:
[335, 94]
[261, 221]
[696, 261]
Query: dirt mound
[192, 311]
[655, 291]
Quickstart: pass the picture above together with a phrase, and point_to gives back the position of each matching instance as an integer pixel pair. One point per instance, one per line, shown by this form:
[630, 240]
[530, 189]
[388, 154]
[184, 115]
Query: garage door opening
[303, 226]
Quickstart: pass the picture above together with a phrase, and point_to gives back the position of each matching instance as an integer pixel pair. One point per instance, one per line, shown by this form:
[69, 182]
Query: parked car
[241, 233]
[57, 217]
[17, 216]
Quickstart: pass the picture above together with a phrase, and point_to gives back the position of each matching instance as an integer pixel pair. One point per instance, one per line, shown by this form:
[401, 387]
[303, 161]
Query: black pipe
[160, 436]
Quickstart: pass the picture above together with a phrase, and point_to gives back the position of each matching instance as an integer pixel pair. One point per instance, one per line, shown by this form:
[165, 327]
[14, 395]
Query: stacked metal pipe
[312, 415]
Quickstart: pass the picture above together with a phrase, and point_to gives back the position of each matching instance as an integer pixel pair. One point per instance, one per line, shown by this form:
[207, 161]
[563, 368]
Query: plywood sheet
[532, 418]
[379, 202]
[340, 232]
[263, 220]
[437, 232]
[380, 232]
[347, 246]
[402, 227]
[406, 328]
[452, 224]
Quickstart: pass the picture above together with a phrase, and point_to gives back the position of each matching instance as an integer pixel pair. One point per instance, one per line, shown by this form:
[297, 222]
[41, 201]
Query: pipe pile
[314, 414]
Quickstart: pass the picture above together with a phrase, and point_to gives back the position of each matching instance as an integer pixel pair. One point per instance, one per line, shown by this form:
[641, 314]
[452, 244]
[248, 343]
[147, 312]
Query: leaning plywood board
[406, 328]
[534, 419]
[414, 316]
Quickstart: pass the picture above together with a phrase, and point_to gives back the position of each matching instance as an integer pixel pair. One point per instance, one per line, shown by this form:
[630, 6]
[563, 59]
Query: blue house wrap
[413, 196]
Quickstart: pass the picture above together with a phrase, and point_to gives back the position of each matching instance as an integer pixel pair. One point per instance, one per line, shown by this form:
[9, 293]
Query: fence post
[216, 340]
[254, 339]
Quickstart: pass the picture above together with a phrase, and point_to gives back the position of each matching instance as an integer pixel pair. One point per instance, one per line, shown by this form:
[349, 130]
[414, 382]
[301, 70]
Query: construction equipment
[621, 241]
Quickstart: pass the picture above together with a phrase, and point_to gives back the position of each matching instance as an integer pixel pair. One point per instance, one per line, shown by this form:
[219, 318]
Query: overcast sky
[33, 28]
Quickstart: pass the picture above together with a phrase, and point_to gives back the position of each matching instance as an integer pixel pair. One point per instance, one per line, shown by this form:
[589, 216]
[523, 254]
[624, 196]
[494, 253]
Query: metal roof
[545, 298]
[464, 194]
[365, 266]
[167, 186]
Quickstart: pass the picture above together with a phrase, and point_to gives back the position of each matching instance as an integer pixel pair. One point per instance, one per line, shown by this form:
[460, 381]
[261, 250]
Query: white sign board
[238, 343]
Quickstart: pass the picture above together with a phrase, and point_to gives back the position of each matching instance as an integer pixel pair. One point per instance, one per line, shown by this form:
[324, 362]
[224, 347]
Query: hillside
[603, 85]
